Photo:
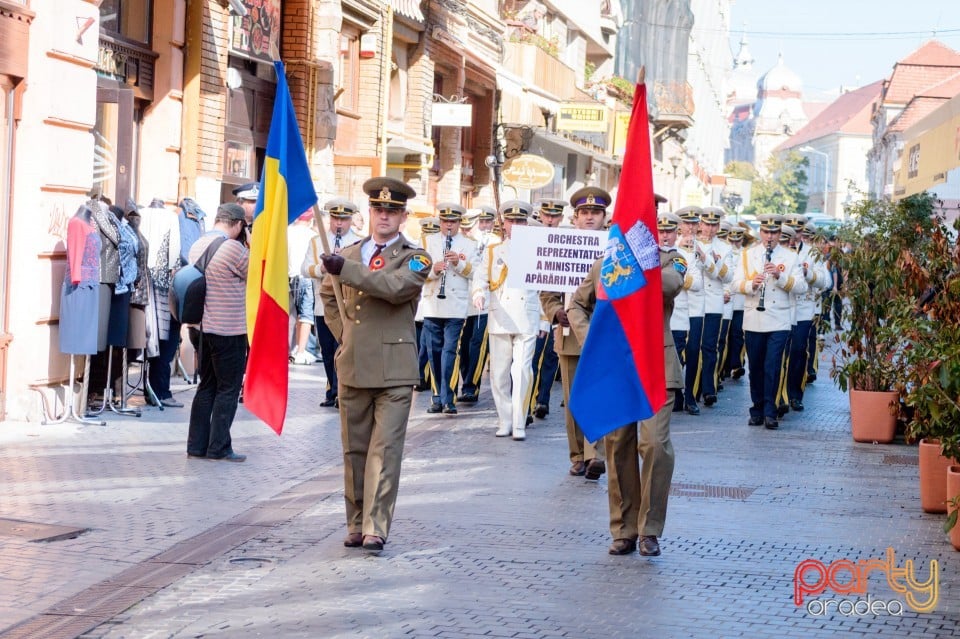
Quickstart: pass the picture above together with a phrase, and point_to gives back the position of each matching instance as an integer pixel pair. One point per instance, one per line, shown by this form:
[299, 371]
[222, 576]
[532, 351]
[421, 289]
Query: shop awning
[408, 8]
[931, 149]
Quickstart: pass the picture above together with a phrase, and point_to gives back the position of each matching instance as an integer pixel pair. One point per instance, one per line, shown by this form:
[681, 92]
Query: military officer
[690, 249]
[733, 364]
[638, 497]
[382, 277]
[339, 213]
[589, 213]
[668, 228]
[807, 303]
[717, 273]
[545, 360]
[247, 195]
[446, 296]
[513, 324]
[473, 357]
[766, 274]
[428, 226]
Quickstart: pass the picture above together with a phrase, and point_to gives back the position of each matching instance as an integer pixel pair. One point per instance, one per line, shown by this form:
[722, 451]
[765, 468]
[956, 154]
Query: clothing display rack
[69, 410]
[108, 396]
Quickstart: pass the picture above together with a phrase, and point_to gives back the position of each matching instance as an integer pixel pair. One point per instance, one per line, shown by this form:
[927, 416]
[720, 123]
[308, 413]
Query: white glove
[478, 301]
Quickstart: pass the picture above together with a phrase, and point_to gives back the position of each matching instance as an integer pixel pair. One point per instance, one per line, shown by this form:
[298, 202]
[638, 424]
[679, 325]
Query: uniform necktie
[380, 248]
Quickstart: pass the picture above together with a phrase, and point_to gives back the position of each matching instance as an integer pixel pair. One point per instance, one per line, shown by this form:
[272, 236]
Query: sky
[834, 43]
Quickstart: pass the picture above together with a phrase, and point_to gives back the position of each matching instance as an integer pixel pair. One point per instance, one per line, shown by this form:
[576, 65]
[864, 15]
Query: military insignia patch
[419, 263]
[680, 265]
[377, 263]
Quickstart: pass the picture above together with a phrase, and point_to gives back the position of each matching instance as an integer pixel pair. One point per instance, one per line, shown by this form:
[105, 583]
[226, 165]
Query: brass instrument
[442, 295]
[763, 287]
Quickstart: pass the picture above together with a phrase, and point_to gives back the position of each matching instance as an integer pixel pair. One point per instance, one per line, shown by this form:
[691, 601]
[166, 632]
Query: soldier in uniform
[545, 360]
[766, 274]
[428, 226]
[733, 363]
[668, 227]
[717, 273]
[589, 213]
[638, 496]
[382, 277]
[475, 356]
[340, 234]
[817, 278]
[446, 296]
[514, 320]
[690, 249]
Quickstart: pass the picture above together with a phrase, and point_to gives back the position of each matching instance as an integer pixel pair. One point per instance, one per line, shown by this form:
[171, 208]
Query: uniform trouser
[812, 346]
[328, 349]
[423, 353]
[765, 358]
[638, 496]
[722, 344]
[692, 360]
[373, 425]
[680, 341]
[580, 448]
[442, 335]
[708, 351]
[545, 363]
[735, 343]
[511, 377]
[471, 365]
[797, 366]
[223, 359]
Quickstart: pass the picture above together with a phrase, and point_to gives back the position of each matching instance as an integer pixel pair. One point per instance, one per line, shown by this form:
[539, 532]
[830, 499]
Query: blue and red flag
[620, 377]
[286, 191]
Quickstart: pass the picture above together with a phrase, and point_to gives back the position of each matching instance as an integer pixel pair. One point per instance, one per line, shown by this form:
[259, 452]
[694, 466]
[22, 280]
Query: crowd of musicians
[432, 314]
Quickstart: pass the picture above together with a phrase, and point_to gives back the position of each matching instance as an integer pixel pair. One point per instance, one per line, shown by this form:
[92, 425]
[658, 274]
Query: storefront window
[129, 18]
[105, 140]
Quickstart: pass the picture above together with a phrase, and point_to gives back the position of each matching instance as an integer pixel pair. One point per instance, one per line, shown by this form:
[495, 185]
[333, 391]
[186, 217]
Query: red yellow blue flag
[286, 192]
[620, 377]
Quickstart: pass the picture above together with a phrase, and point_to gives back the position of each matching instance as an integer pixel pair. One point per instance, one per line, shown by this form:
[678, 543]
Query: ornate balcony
[672, 105]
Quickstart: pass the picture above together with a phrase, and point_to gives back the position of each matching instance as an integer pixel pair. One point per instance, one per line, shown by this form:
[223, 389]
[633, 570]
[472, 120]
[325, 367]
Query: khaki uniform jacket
[378, 337]
[562, 344]
[585, 299]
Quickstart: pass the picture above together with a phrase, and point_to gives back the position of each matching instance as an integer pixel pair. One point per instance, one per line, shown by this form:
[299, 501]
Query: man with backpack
[223, 336]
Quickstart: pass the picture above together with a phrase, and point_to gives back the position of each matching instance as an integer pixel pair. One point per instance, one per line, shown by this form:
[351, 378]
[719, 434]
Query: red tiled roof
[930, 65]
[946, 89]
[918, 108]
[850, 113]
[813, 109]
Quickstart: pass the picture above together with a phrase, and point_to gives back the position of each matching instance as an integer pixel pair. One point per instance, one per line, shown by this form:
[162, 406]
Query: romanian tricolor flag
[620, 377]
[286, 192]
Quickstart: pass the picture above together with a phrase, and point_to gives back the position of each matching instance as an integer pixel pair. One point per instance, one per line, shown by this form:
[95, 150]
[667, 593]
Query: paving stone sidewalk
[491, 537]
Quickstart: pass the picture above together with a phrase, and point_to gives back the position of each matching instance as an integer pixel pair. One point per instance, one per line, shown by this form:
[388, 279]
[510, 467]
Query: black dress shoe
[353, 540]
[230, 457]
[327, 403]
[755, 421]
[811, 378]
[796, 404]
[770, 423]
[782, 410]
[422, 386]
[468, 398]
[449, 409]
[649, 546]
[372, 543]
[709, 400]
[622, 546]
[529, 419]
[435, 408]
[737, 373]
[595, 468]
[541, 411]
[693, 409]
[196, 456]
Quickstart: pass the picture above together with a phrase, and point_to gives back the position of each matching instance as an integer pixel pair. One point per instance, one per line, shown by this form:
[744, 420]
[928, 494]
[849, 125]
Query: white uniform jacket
[312, 267]
[775, 292]
[717, 271]
[458, 278]
[692, 286]
[511, 311]
[818, 279]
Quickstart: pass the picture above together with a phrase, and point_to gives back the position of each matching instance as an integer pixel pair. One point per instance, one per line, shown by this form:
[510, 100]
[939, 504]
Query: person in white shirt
[299, 235]
[668, 227]
[446, 296]
[689, 248]
[473, 358]
[766, 274]
[339, 213]
[717, 273]
[514, 321]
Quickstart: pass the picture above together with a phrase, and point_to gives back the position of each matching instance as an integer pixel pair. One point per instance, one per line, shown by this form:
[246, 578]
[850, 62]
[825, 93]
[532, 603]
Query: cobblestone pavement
[491, 537]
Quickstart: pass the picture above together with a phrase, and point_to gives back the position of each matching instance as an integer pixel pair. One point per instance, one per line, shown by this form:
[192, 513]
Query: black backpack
[189, 287]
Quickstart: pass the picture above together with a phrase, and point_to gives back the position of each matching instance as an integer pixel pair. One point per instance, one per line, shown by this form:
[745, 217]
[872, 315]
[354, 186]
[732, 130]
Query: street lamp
[826, 172]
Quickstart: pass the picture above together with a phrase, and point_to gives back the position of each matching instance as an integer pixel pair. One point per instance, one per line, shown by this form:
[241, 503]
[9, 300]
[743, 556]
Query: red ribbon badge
[377, 263]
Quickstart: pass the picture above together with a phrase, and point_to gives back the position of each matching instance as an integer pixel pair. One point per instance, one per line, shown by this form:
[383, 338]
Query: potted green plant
[871, 254]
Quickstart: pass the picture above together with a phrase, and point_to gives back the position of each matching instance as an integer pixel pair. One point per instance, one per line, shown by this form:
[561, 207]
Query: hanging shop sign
[582, 116]
[527, 171]
[256, 34]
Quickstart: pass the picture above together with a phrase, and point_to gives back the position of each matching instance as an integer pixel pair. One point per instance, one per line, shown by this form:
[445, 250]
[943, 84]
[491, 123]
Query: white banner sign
[552, 259]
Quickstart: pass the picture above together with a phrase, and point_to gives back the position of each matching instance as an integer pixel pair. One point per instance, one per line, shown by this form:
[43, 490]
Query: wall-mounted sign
[582, 116]
[257, 33]
[448, 114]
[621, 123]
[527, 171]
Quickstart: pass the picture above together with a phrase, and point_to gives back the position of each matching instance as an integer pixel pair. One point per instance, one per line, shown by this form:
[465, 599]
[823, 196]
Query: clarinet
[336, 240]
[763, 287]
[442, 295]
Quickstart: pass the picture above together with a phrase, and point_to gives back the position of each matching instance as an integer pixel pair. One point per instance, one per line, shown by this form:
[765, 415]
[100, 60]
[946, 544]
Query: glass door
[113, 142]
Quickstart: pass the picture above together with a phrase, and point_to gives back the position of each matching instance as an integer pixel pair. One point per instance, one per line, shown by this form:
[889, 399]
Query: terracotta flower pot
[952, 486]
[871, 416]
[933, 477]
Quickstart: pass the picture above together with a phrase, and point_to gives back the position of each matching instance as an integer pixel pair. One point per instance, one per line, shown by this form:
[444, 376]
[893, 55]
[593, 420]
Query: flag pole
[334, 279]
